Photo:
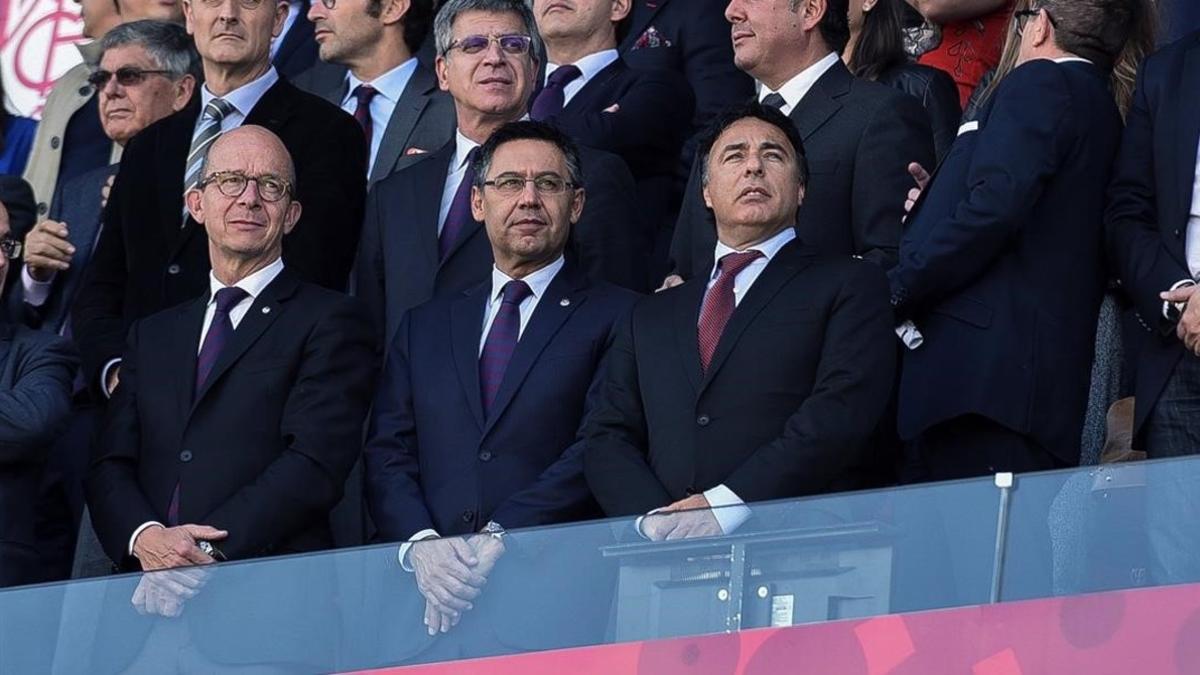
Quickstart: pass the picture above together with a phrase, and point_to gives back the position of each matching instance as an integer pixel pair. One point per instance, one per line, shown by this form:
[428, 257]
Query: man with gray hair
[420, 239]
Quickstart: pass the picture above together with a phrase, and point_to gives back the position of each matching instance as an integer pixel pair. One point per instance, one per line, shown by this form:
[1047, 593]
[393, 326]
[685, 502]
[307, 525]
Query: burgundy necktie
[460, 209]
[501, 341]
[551, 99]
[718, 304]
[218, 334]
[363, 93]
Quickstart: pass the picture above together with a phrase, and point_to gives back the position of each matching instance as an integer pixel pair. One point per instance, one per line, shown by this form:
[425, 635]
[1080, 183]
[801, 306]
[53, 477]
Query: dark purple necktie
[551, 99]
[219, 332]
[719, 303]
[501, 341]
[459, 214]
[363, 93]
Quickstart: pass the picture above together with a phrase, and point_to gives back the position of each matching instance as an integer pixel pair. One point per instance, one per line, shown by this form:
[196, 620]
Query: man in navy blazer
[1001, 268]
[483, 392]
[295, 50]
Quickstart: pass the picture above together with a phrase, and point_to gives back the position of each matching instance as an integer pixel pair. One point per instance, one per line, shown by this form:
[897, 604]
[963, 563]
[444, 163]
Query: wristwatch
[493, 529]
[211, 551]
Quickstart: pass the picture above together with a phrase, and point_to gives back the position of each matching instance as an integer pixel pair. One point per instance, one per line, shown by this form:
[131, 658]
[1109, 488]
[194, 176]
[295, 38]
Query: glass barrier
[793, 562]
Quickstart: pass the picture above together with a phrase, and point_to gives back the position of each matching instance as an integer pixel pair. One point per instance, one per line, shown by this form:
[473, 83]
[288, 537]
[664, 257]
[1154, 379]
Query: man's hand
[1188, 328]
[167, 547]
[921, 177]
[446, 578]
[47, 250]
[685, 519]
[671, 281]
[488, 550]
[105, 191]
[163, 592]
[114, 378]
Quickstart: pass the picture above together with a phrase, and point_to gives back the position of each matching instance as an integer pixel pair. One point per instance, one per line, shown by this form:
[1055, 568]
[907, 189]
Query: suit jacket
[424, 116]
[264, 448]
[648, 131]
[859, 138]
[795, 389]
[1001, 267]
[36, 371]
[398, 266]
[938, 95]
[78, 205]
[144, 262]
[1150, 203]
[298, 52]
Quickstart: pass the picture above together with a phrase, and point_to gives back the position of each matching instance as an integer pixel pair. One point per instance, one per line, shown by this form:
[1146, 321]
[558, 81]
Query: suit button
[55, 142]
[1176, 233]
[468, 516]
[42, 208]
[485, 456]
[173, 269]
[185, 456]
[703, 420]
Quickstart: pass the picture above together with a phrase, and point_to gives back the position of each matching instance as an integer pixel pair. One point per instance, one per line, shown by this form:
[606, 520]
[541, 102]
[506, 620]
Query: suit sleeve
[834, 425]
[322, 422]
[368, 282]
[332, 187]
[611, 239]
[945, 114]
[897, 134]
[615, 438]
[693, 215]
[1143, 263]
[1018, 150]
[392, 454]
[34, 410]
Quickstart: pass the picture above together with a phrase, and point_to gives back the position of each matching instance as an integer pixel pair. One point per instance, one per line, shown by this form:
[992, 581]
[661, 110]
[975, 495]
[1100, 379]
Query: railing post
[1003, 481]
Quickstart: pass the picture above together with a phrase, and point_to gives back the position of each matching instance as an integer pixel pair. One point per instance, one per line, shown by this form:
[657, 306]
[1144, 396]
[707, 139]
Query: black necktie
[775, 101]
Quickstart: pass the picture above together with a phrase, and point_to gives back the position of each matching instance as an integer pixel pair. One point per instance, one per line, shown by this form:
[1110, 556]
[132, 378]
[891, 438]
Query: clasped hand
[687, 518]
[169, 556]
[1188, 328]
[450, 574]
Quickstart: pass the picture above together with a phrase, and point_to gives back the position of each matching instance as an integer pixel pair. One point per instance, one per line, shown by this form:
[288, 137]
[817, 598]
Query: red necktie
[363, 93]
[718, 304]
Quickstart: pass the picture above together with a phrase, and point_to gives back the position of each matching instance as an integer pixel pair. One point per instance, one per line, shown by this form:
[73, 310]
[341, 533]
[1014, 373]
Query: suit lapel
[466, 330]
[404, 119]
[83, 232]
[820, 103]
[175, 142]
[426, 200]
[644, 12]
[181, 352]
[549, 316]
[686, 318]
[778, 272]
[584, 100]
[1189, 133]
[301, 33]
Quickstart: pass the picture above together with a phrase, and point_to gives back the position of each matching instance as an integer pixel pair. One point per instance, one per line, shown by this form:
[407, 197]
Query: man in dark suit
[762, 378]
[998, 378]
[420, 239]
[151, 255]
[369, 69]
[36, 370]
[588, 91]
[859, 135]
[294, 51]
[492, 448]
[239, 413]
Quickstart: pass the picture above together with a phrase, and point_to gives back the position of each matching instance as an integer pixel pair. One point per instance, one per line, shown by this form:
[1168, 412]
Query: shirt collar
[795, 89]
[245, 97]
[462, 147]
[390, 85]
[768, 248]
[253, 284]
[1069, 59]
[538, 282]
[589, 66]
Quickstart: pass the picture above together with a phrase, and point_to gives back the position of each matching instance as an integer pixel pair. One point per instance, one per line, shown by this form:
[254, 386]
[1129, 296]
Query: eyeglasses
[509, 44]
[546, 184]
[329, 4]
[271, 188]
[127, 76]
[11, 248]
[246, 4]
[1021, 16]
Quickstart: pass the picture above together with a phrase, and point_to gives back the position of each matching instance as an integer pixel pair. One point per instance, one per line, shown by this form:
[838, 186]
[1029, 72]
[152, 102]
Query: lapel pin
[266, 310]
[564, 302]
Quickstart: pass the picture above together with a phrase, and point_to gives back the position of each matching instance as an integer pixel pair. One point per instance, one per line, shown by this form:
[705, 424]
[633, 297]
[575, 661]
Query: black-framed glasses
[11, 248]
[127, 76]
[1020, 17]
[509, 44]
[546, 184]
[271, 188]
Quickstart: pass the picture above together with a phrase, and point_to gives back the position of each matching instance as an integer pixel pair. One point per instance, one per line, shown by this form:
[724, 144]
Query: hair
[528, 131]
[755, 110]
[417, 21]
[880, 45]
[443, 23]
[835, 25]
[168, 44]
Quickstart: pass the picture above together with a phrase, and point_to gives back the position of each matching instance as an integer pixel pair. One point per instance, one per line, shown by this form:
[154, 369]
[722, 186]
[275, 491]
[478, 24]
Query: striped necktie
[206, 135]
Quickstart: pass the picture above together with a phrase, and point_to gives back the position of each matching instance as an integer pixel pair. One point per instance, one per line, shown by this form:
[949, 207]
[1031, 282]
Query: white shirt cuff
[909, 335]
[404, 548]
[729, 509]
[1166, 310]
[36, 292]
[142, 528]
[104, 377]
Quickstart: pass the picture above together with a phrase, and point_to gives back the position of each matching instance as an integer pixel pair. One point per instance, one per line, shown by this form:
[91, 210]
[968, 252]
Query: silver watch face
[206, 547]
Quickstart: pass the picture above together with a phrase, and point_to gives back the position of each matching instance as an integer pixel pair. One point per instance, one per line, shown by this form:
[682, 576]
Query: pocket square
[415, 151]
[651, 38]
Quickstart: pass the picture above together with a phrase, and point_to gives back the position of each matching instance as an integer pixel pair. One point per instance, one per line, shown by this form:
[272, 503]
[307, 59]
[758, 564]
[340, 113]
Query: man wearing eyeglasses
[484, 391]
[1001, 266]
[151, 253]
[420, 239]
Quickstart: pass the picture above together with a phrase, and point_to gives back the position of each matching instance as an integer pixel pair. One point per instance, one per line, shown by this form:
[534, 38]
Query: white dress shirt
[253, 285]
[729, 509]
[243, 99]
[589, 66]
[1192, 237]
[454, 177]
[292, 15]
[796, 88]
[390, 86]
[538, 282]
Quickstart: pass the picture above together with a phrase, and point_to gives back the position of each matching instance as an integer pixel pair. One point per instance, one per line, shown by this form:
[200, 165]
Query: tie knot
[732, 263]
[562, 76]
[217, 109]
[228, 297]
[364, 93]
[515, 292]
[774, 100]
[471, 156]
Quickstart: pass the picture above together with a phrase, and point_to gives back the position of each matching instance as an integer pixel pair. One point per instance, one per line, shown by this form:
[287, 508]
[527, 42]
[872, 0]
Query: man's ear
[477, 203]
[292, 216]
[394, 11]
[442, 70]
[195, 204]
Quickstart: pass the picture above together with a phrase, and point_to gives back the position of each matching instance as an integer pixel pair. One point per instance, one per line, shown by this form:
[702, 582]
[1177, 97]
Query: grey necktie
[210, 129]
